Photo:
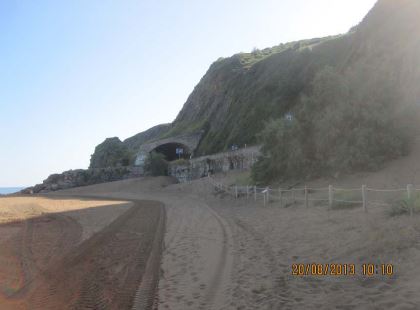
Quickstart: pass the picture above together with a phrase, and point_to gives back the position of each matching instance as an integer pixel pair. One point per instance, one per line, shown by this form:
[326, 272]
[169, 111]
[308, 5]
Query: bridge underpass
[169, 150]
[168, 147]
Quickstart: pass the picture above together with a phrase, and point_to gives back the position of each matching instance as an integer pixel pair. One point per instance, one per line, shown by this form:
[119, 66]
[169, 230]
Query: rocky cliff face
[134, 142]
[111, 153]
[238, 95]
[389, 38]
[116, 153]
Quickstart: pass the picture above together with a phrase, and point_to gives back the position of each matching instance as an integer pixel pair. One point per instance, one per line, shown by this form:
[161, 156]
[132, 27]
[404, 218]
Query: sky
[73, 73]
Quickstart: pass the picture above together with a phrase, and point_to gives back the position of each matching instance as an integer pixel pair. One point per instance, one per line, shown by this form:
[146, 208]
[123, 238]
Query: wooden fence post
[264, 197]
[294, 196]
[281, 197]
[255, 193]
[410, 198]
[236, 191]
[330, 196]
[364, 196]
[306, 197]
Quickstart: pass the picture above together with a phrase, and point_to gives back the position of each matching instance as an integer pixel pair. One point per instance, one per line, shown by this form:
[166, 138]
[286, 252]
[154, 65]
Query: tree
[156, 164]
[349, 122]
[284, 152]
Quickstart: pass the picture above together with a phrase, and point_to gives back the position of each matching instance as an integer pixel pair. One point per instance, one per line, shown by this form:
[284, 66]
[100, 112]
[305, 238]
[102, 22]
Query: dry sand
[197, 260]
[73, 253]
[264, 242]
[226, 253]
[222, 253]
[85, 212]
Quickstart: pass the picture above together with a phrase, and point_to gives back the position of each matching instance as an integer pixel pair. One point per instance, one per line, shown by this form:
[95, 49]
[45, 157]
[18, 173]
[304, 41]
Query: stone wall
[199, 167]
[184, 171]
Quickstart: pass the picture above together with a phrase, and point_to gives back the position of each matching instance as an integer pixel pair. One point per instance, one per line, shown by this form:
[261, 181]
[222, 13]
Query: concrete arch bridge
[169, 146]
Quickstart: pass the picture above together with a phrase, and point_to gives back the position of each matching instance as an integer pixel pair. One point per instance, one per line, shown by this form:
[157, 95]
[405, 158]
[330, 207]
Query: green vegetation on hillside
[239, 94]
[247, 60]
[352, 97]
[156, 165]
[111, 153]
[349, 122]
[134, 142]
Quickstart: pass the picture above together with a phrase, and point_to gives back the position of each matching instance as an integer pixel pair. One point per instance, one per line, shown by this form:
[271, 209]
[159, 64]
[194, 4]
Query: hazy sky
[75, 72]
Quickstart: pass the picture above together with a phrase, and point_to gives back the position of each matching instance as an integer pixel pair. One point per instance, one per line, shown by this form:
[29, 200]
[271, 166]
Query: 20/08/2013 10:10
[332, 269]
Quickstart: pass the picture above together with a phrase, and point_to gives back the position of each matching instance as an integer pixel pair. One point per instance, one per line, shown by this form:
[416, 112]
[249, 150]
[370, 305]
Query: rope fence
[363, 196]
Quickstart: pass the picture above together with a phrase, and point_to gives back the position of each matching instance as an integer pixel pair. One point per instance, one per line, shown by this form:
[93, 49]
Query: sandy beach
[223, 253]
[218, 252]
[73, 253]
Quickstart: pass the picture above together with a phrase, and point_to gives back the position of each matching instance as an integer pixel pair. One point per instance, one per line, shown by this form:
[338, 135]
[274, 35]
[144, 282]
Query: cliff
[240, 94]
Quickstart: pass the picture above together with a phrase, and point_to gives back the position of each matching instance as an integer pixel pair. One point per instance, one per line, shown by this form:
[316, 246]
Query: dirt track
[197, 258]
[57, 269]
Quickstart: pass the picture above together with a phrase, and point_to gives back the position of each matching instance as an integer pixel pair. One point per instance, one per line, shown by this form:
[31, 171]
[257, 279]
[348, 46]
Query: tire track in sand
[35, 244]
[197, 258]
[104, 271]
[221, 271]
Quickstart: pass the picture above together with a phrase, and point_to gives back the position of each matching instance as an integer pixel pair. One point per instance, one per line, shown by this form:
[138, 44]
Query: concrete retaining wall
[199, 167]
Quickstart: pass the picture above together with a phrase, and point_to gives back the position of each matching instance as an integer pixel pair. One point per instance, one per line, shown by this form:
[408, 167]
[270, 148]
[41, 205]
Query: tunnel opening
[173, 151]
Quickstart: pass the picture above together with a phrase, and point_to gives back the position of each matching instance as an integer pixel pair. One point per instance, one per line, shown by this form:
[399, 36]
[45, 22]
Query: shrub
[284, 152]
[156, 165]
[402, 206]
[344, 125]
[399, 207]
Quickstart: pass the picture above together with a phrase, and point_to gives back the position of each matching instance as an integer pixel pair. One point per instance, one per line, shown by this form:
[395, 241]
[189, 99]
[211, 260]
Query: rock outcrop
[80, 177]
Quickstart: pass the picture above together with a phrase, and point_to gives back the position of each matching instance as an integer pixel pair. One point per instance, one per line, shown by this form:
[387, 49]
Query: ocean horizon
[10, 190]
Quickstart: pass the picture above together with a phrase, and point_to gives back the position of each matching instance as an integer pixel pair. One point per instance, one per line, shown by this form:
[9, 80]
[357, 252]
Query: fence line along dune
[331, 196]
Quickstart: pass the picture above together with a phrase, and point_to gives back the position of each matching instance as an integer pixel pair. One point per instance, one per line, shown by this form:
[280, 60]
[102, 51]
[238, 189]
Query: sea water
[10, 190]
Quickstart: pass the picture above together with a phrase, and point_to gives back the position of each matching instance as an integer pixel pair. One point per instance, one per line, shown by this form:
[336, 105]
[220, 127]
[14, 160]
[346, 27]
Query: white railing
[362, 196]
